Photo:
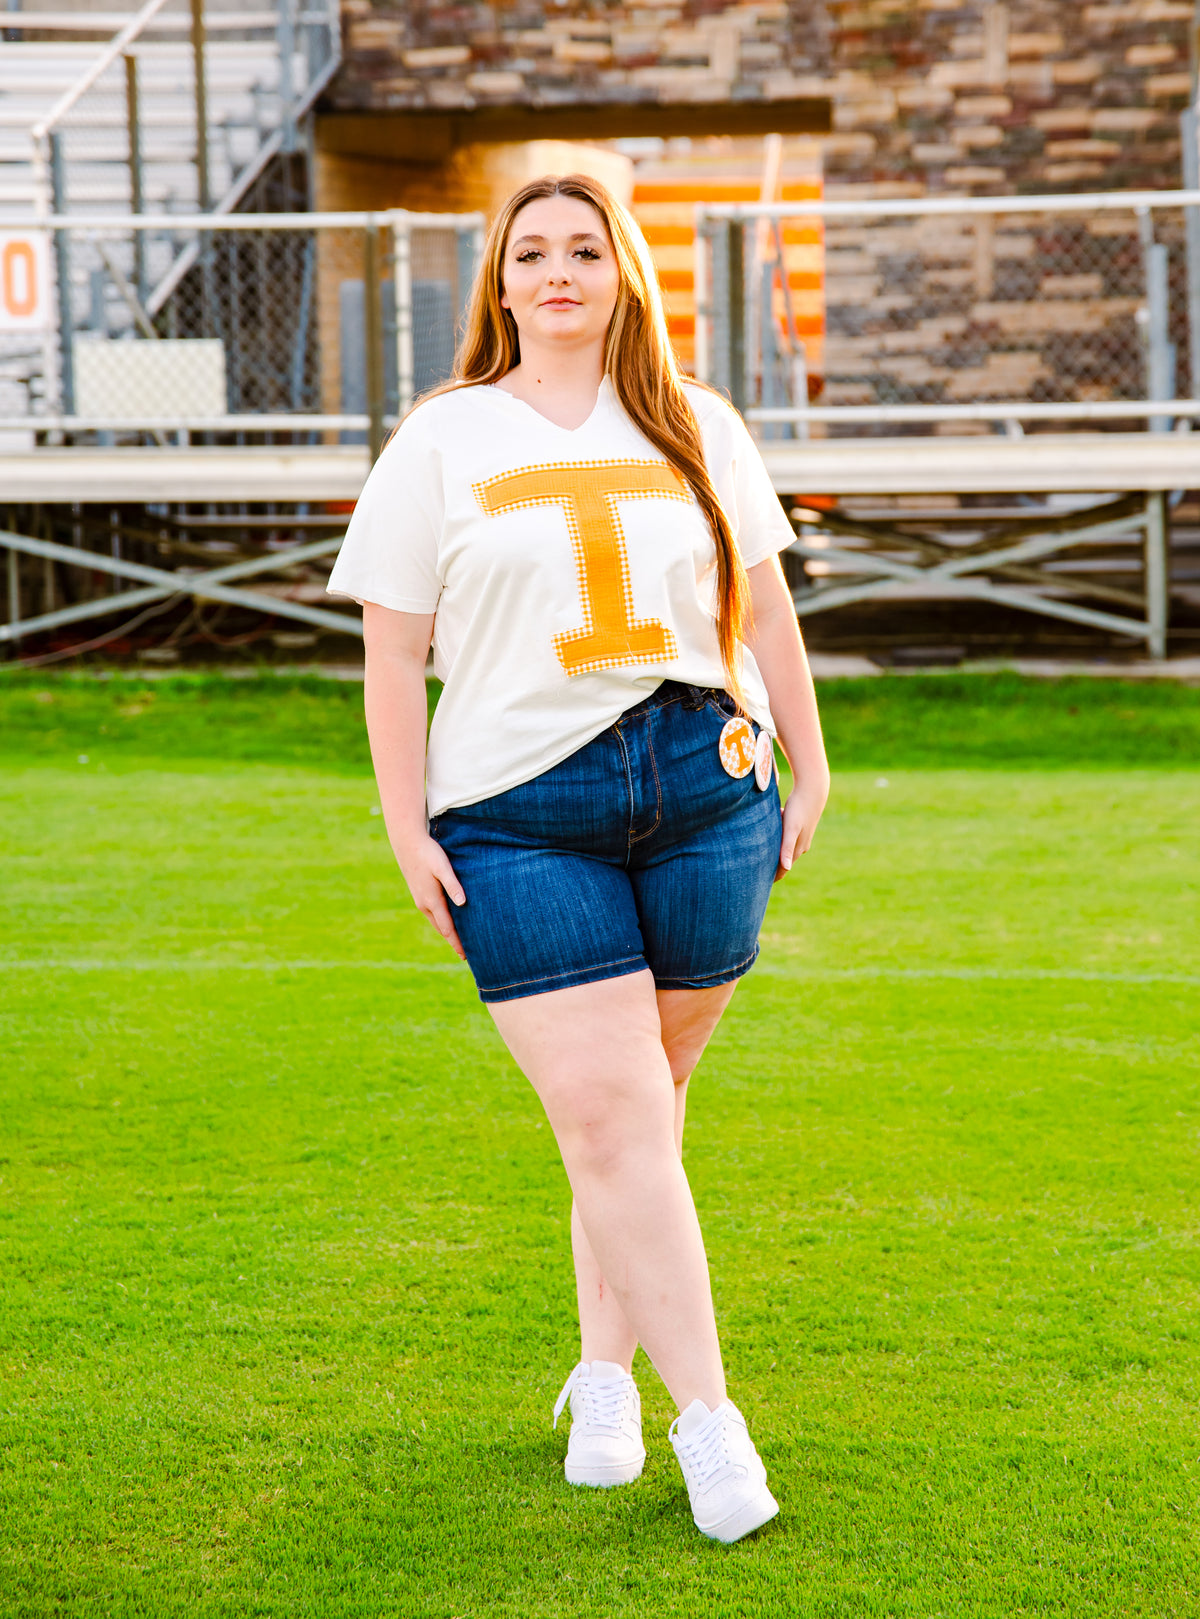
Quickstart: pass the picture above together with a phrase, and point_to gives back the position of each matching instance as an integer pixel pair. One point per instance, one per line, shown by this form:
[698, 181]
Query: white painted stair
[244, 113]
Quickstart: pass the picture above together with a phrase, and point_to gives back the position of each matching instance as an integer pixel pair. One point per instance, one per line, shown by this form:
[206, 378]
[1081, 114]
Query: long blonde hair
[639, 361]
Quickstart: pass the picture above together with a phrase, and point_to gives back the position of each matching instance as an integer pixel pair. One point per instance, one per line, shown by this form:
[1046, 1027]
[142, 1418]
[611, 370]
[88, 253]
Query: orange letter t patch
[588, 493]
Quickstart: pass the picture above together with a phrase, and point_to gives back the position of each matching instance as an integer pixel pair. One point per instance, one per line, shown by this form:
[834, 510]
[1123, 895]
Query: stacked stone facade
[933, 95]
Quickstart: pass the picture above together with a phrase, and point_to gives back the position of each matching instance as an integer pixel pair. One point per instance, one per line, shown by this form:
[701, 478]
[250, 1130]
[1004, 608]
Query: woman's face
[560, 273]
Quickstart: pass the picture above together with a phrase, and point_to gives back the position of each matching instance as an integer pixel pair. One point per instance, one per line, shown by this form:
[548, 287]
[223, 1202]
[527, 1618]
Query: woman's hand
[800, 816]
[431, 880]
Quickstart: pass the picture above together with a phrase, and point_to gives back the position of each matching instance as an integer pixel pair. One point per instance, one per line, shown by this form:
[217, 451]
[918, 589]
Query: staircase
[261, 72]
[179, 108]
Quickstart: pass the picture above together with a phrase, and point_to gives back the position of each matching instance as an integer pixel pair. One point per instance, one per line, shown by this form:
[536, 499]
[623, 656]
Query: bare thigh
[591, 1052]
[687, 1018]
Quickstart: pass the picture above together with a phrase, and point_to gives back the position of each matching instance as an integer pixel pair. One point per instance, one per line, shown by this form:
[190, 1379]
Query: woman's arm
[397, 646]
[779, 652]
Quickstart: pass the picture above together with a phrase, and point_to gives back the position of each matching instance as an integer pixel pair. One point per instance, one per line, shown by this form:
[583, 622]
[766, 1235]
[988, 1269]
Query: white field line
[832, 975]
[166, 965]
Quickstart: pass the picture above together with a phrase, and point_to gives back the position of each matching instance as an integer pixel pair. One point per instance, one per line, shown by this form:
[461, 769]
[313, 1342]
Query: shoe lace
[603, 1403]
[707, 1454]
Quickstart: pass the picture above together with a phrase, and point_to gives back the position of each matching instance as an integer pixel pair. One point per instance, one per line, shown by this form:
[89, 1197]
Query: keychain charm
[736, 747]
[764, 760]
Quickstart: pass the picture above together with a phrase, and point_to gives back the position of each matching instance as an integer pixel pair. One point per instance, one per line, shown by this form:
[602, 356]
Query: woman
[591, 546]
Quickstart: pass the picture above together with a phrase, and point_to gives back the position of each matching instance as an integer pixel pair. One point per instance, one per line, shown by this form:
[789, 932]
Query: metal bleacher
[261, 70]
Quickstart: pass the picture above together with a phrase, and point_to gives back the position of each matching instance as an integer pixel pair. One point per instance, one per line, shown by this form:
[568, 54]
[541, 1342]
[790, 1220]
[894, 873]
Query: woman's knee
[603, 1127]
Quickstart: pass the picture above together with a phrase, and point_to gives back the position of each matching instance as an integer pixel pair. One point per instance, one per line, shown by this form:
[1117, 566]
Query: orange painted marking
[669, 235]
[588, 493]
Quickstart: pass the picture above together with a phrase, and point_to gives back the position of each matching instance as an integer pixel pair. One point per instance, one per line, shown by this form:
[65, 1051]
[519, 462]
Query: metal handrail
[349, 220]
[1012, 410]
[89, 76]
[107, 22]
[1077, 202]
[245, 422]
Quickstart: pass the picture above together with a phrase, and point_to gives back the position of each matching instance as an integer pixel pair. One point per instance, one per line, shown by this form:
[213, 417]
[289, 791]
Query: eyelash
[527, 257]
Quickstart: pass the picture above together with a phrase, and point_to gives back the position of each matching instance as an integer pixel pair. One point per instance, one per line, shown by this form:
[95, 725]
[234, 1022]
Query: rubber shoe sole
[745, 1520]
[603, 1477]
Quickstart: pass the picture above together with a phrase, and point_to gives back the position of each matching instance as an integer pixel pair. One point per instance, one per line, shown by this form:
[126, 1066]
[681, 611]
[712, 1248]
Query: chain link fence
[929, 311]
[289, 326]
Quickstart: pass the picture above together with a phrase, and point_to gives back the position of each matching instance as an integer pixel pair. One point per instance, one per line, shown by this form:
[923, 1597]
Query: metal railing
[951, 313]
[289, 325]
[180, 112]
[217, 107]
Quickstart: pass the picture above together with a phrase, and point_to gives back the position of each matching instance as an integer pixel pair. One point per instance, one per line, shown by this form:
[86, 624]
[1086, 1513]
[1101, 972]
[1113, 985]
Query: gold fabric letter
[588, 492]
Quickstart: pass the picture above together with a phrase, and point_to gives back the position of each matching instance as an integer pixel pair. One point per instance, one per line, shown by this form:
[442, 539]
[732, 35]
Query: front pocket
[723, 704]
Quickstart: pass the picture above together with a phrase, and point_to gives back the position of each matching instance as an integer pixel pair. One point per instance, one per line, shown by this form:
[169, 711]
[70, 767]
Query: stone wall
[537, 51]
[933, 95]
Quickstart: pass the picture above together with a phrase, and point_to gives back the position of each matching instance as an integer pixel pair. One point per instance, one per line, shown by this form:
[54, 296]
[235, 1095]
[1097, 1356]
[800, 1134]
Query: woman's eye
[588, 254]
[528, 256]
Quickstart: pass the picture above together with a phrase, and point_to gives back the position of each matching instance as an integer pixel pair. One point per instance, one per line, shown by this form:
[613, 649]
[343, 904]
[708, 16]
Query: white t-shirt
[571, 572]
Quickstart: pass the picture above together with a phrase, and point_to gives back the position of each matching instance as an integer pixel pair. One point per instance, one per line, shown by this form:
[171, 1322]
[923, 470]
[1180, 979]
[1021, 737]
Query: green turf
[284, 1294]
[918, 720]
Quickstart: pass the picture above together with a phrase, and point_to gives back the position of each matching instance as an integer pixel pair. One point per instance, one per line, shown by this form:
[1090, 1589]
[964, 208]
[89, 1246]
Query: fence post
[1156, 565]
[1160, 382]
[286, 36]
[769, 348]
[373, 336]
[464, 267]
[204, 198]
[735, 250]
[62, 268]
[14, 596]
[1191, 224]
[402, 278]
[718, 295]
[701, 244]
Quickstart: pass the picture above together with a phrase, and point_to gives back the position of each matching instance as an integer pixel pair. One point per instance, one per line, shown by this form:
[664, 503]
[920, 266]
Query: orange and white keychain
[736, 747]
[764, 760]
[741, 753]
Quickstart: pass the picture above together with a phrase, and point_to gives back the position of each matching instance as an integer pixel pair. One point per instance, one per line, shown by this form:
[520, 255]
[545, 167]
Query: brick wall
[1028, 95]
[462, 55]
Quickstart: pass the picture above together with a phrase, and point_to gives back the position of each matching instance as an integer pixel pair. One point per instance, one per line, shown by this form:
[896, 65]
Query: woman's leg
[595, 1055]
[687, 1018]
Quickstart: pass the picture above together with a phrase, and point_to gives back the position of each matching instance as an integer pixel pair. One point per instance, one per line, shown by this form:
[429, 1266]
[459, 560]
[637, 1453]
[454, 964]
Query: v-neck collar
[523, 404]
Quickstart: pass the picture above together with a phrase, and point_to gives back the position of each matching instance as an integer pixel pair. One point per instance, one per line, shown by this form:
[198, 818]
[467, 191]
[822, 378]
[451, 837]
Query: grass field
[284, 1290]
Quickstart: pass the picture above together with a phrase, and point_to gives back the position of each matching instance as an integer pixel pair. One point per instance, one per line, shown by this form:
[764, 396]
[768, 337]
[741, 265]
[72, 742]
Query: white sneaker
[605, 1446]
[727, 1482]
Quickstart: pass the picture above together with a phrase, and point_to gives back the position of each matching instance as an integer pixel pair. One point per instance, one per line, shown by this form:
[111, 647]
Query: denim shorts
[636, 852]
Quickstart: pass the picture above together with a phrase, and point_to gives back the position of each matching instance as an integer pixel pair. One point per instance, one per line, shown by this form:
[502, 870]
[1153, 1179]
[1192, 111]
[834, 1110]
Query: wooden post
[136, 201]
[204, 198]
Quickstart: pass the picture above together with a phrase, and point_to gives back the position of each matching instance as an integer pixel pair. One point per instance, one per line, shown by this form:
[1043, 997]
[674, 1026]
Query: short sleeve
[760, 524]
[390, 553]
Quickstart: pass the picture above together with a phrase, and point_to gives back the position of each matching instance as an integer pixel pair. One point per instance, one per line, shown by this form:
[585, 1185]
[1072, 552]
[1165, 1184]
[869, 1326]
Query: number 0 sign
[25, 303]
